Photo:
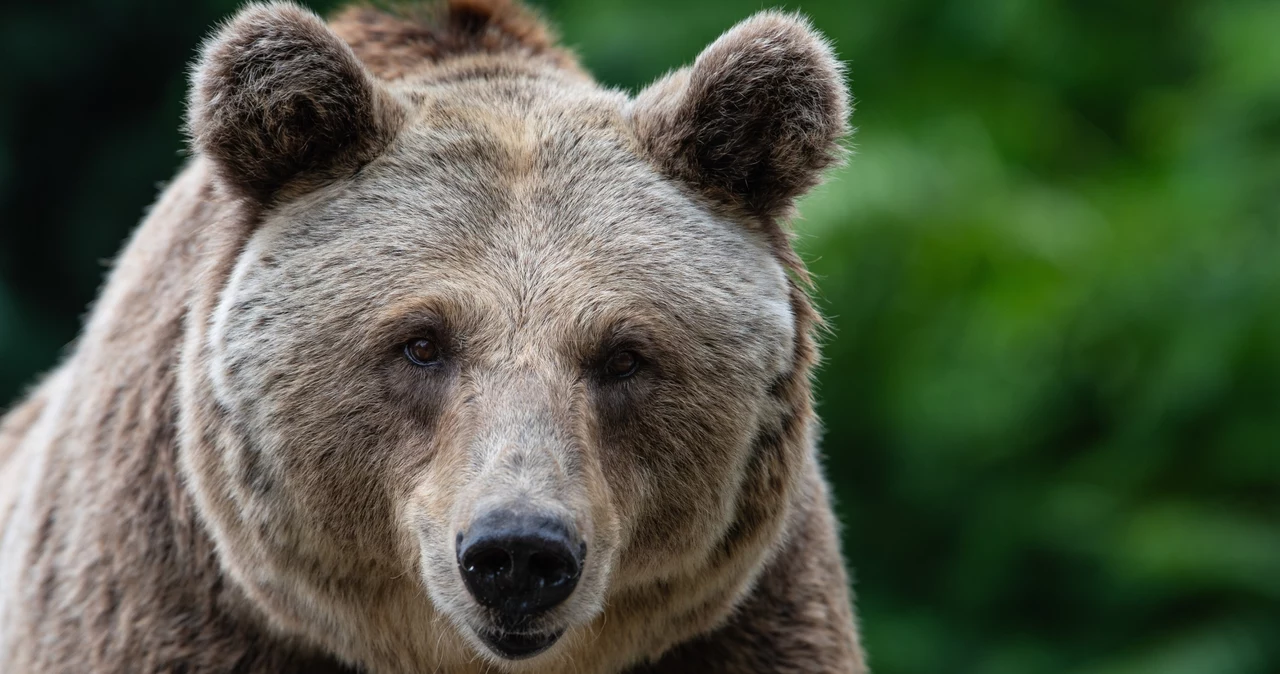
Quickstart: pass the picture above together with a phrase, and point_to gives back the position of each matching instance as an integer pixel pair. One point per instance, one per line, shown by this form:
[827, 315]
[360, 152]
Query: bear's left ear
[280, 103]
[756, 118]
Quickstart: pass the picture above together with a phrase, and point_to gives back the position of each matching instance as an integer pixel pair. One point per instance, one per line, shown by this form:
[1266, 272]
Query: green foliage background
[1052, 393]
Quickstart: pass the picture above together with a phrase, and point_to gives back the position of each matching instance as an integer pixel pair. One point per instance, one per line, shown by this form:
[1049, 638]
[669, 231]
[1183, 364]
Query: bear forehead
[514, 192]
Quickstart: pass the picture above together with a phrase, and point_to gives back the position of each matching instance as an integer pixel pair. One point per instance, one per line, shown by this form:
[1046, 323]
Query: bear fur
[237, 470]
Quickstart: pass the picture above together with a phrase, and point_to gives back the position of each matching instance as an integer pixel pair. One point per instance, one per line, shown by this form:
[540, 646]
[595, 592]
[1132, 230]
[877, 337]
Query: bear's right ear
[279, 101]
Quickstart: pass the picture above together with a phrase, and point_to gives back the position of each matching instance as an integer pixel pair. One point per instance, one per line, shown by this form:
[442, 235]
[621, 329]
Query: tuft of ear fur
[756, 118]
[279, 101]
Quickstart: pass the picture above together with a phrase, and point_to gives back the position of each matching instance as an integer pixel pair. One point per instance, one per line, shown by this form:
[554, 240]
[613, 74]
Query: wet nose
[520, 564]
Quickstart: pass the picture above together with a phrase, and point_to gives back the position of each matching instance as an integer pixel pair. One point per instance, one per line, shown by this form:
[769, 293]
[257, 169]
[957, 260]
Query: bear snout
[520, 563]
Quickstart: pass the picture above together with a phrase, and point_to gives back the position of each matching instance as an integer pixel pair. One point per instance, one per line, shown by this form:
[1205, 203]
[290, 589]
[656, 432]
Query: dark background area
[1052, 391]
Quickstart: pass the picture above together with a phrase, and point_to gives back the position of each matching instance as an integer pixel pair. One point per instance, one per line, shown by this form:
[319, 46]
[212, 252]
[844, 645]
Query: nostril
[491, 562]
[549, 569]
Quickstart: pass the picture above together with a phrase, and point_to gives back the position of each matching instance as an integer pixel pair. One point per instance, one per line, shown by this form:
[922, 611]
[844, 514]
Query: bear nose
[520, 564]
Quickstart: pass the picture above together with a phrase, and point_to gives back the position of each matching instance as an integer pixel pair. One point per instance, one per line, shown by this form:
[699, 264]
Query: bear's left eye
[422, 351]
[622, 364]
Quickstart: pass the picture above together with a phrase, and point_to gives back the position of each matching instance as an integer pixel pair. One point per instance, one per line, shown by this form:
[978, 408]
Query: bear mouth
[518, 646]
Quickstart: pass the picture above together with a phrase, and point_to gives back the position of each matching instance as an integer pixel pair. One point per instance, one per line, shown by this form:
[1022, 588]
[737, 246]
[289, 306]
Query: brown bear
[440, 357]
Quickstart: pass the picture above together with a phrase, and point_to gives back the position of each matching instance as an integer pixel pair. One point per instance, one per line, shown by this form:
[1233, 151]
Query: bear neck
[118, 544]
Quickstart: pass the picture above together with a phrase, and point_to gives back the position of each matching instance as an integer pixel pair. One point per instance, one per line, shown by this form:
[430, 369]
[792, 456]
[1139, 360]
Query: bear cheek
[433, 482]
[674, 469]
[327, 460]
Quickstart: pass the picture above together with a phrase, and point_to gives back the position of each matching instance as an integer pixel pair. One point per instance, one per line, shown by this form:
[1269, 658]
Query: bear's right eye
[422, 351]
[622, 364]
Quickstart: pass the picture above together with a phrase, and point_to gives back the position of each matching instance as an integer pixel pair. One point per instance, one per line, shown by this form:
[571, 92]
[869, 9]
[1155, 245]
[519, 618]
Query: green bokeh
[1052, 269]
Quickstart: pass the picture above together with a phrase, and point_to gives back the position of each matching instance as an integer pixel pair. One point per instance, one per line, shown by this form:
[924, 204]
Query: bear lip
[518, 646]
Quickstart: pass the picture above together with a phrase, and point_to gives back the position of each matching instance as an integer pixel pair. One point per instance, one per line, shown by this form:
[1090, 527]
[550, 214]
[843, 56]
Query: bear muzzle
[520, 564]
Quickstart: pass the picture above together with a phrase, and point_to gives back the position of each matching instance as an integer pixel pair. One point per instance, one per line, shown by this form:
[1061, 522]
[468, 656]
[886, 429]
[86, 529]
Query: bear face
[495, 351]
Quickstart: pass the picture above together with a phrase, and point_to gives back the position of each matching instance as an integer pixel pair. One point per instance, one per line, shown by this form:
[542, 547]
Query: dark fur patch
[405, 37]
[278, 98]
[756, 118]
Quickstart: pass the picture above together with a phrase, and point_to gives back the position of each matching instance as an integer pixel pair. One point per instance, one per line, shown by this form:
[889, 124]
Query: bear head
[494, 361]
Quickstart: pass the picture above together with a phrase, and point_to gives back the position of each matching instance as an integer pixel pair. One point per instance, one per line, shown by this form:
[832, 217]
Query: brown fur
[281, 98]
[754, 120]
[236, 471]
[411, 38]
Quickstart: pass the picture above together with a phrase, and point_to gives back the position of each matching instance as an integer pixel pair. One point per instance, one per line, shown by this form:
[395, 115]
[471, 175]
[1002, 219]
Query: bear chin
[518, 645]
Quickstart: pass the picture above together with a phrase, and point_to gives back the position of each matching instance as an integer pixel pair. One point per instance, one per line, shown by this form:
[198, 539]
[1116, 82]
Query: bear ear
[756, 118]
[279, 101]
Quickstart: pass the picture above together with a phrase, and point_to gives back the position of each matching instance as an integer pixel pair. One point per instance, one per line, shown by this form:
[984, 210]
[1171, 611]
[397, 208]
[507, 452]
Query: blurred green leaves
[1052, 390]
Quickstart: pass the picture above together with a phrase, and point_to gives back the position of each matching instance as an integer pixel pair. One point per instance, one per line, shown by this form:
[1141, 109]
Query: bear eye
[622, 364]
[422, 351]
